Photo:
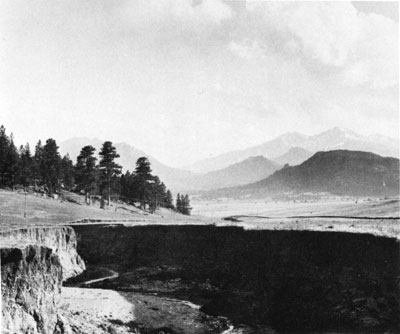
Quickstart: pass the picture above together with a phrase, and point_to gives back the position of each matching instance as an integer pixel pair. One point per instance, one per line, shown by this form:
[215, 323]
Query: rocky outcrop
[34, 262]
[62, 240]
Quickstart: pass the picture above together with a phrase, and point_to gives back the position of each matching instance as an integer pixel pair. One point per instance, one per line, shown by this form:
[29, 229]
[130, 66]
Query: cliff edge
[34, 262]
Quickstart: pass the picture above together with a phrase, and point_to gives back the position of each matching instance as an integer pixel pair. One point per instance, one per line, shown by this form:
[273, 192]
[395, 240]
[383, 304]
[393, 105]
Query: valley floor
[334, 206]
[107, 311]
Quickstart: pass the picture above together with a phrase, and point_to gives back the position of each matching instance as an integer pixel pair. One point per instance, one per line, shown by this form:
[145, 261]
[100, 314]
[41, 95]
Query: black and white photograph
[199, 166]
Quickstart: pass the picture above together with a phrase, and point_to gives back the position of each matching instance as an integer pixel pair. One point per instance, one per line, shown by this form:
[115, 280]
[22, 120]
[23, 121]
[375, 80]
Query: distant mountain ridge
[247, 170]
[293, 157]
[250, 170]
[333, 139]
[339, 172]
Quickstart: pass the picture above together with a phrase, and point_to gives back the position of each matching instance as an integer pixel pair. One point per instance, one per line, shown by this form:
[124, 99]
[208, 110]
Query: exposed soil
[96, 310]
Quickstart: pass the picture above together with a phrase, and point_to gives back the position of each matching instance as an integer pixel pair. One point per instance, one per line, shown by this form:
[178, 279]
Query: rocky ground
[154, 310]
[98, 311]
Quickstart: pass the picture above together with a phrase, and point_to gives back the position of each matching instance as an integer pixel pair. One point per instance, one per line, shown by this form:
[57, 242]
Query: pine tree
[4, 147]
[50, 166]
[143, 168]
[178, 203]
[26, 166]
[127, 189]
[67, 172]
[169, 201]
[11, 165]
[186, 209]
[143, 180]
[8, 159]
[37, 162]
[109, 169]
[85, 171]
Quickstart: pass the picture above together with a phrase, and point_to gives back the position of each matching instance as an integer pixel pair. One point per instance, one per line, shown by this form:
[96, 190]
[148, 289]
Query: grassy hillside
[46, 211]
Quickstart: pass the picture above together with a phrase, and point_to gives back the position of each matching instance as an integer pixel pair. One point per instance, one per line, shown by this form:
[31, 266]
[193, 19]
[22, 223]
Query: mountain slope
[340, 172]
[333, 139]
[293, 157]
[250, 170]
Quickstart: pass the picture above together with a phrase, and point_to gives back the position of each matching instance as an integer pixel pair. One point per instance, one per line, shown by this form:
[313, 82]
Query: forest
[45, 171]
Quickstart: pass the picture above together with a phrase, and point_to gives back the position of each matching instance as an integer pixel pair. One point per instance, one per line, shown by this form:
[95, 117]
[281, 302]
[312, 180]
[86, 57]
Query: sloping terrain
[338, 172]
[40, 210]
[47, 211]
[293, 157]
[250, 170]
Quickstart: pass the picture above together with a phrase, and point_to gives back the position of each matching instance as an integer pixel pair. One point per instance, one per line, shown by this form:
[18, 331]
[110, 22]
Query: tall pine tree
[26, 166]
[186, 209]
[50, 166]
[37, 162]
[85, 171]
[169, 201]
[143, 180]
[12, 162]
[178, 203]
[9, 159]
[109, 169]
[67, 173]
[4, 147]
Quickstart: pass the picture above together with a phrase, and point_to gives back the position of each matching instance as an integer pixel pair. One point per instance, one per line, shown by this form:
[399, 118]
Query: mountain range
[246, 166]
[339, 172]
[247, 171]
[333, 139]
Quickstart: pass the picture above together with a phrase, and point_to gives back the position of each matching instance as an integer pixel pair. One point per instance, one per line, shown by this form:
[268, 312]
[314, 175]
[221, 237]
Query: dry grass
[45, 211]
[353, 207]
[40, 210]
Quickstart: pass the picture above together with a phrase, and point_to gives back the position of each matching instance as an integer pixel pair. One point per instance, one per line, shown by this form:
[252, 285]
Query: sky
[184, 80]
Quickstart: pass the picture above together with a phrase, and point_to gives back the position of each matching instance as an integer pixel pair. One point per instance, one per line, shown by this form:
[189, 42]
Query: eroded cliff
[61, 239]
[34, 262]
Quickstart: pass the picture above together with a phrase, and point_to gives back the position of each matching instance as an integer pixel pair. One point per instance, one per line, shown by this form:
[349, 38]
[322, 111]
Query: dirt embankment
[34, 262]
[289, 280]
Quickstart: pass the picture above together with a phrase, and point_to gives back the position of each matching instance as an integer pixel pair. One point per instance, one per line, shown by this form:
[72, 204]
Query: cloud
[247, 50]
[329, 37]
[174, 16]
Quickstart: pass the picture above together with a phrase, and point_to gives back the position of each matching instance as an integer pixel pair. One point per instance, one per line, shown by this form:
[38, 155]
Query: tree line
[46, 171]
